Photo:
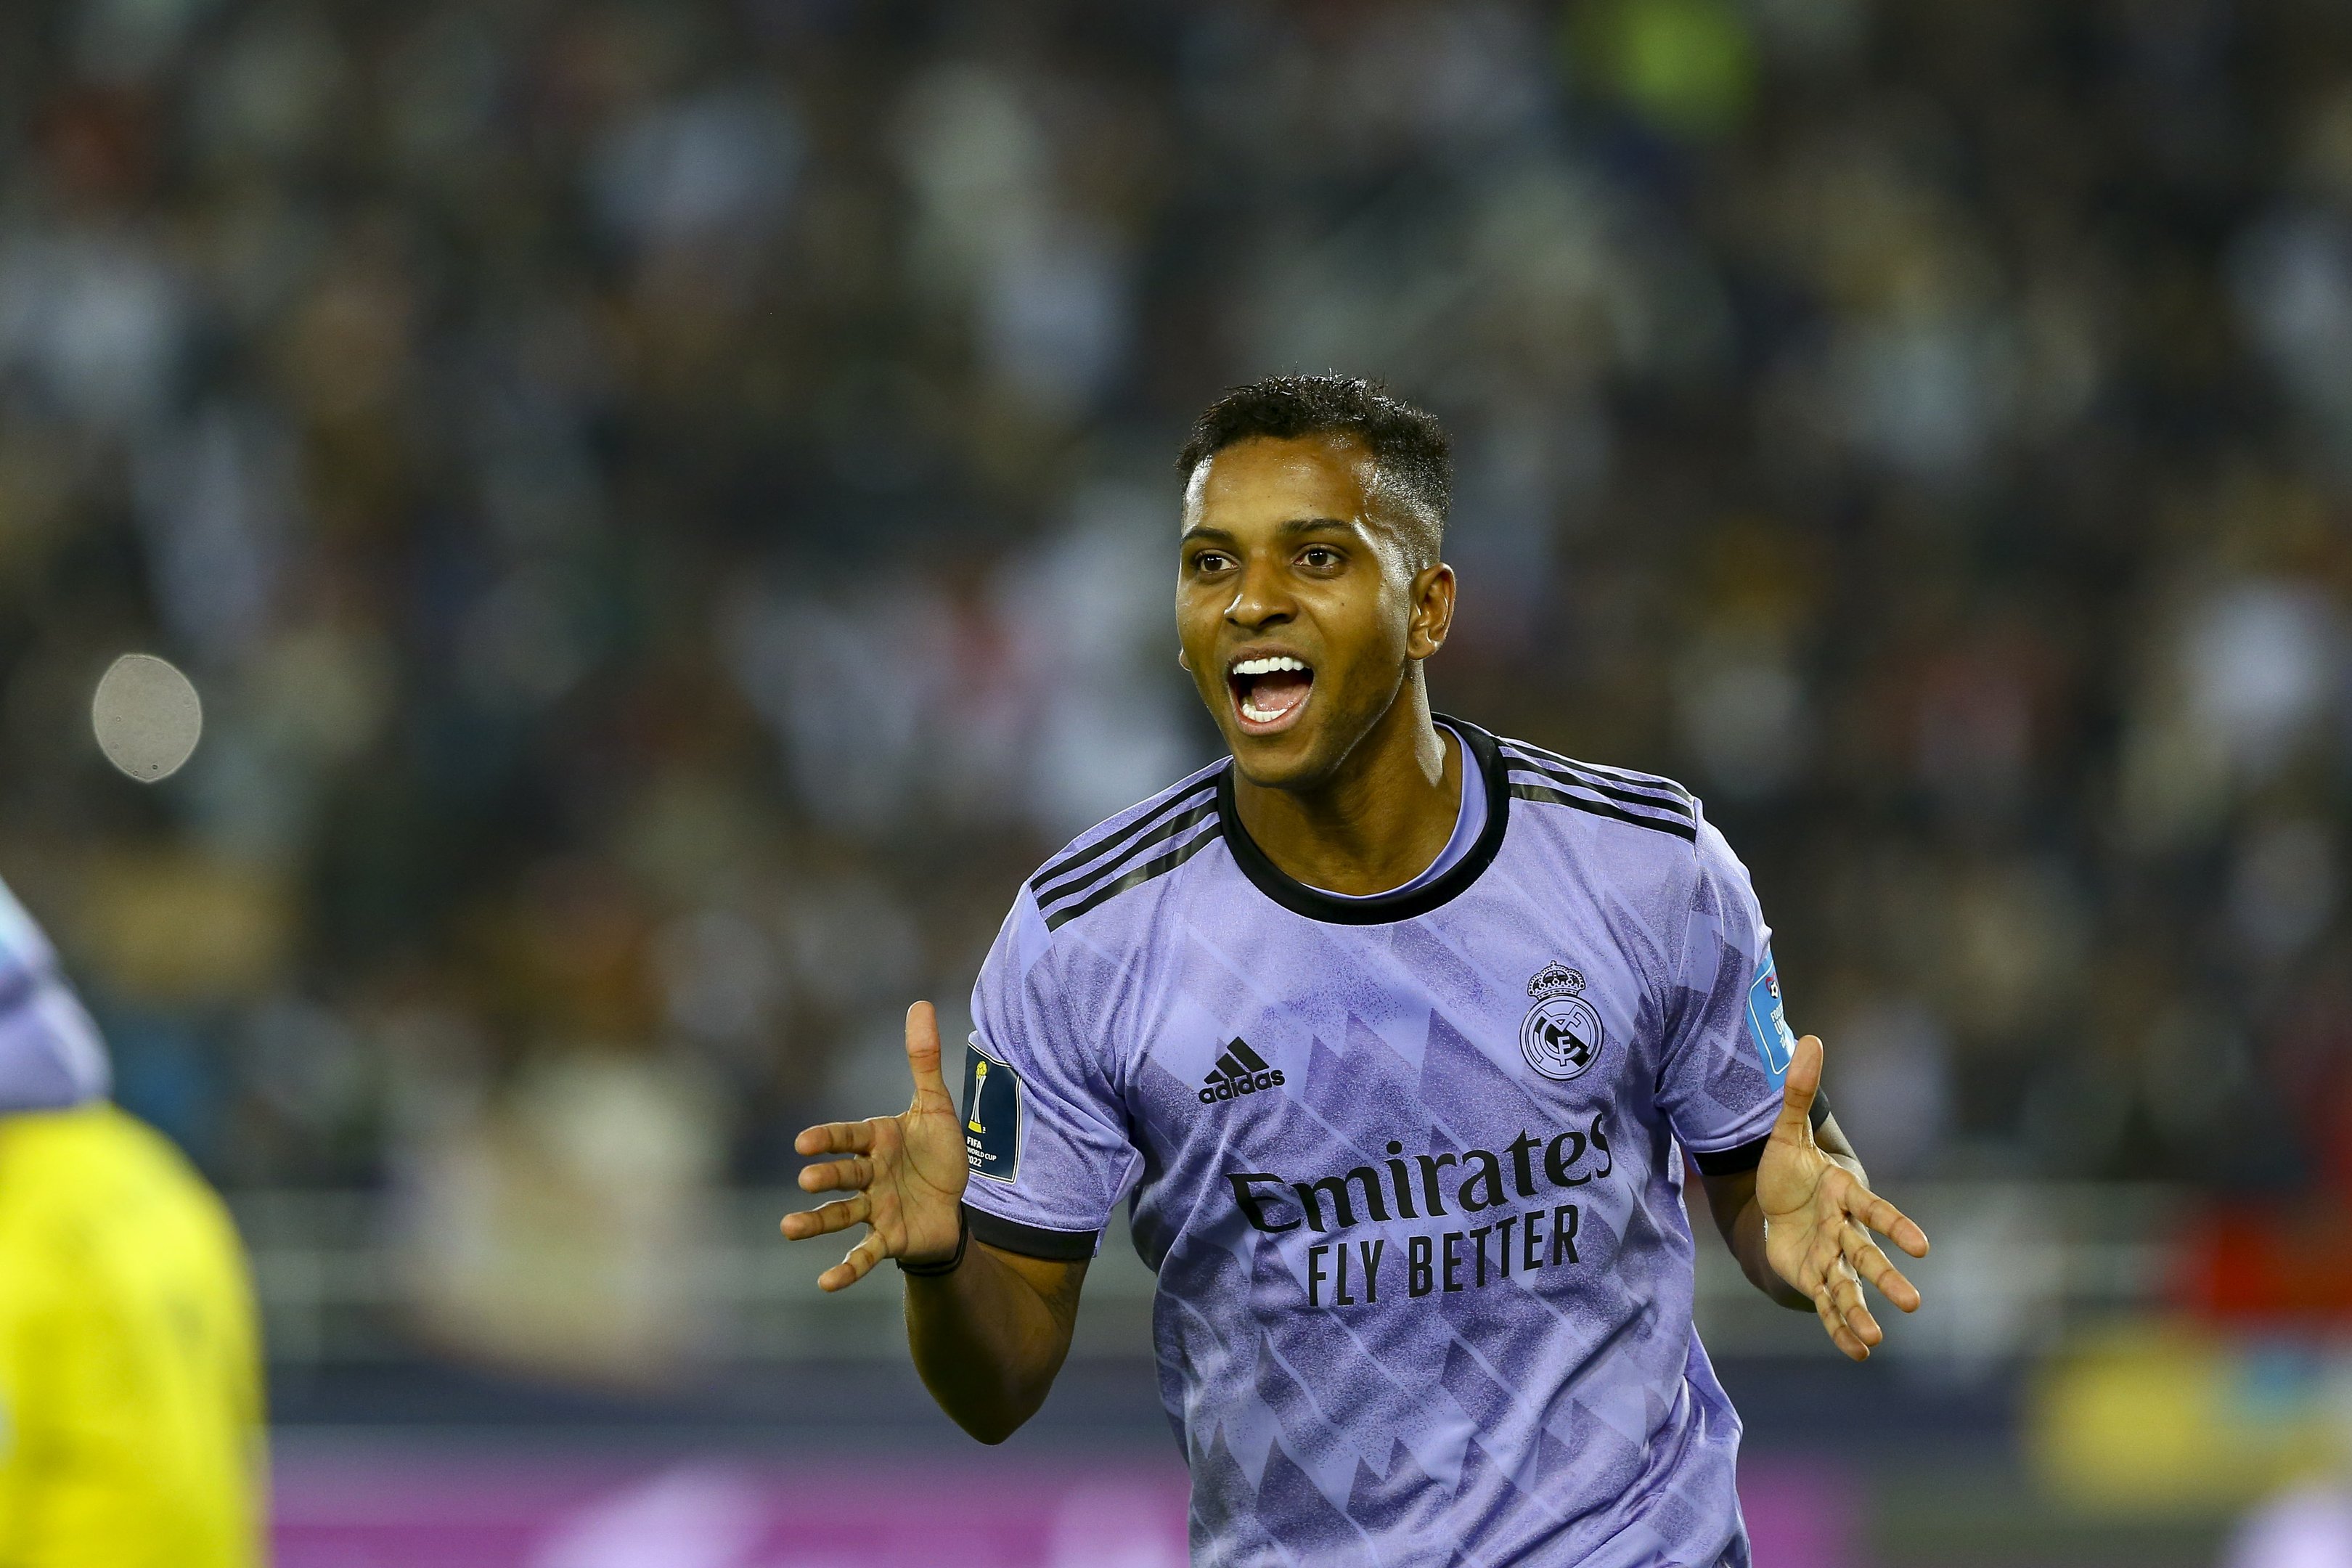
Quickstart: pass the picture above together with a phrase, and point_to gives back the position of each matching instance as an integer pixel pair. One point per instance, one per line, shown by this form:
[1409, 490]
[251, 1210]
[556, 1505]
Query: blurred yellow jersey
[130, 1430]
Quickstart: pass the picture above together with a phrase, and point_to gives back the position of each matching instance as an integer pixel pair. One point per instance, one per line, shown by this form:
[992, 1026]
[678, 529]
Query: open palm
[1818, 1216]
[905, 1173]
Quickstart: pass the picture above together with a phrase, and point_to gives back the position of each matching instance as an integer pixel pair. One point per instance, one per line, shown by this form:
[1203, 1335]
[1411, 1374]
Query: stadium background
[667, 506]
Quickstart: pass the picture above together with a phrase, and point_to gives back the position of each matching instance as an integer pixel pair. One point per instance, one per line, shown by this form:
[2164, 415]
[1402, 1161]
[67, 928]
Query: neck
[1379, 820]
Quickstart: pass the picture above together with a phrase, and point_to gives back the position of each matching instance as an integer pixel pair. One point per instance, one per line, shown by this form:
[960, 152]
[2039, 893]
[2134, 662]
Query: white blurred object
[1925, 395]
[1048, 284]
[2292, 275]
[216, 502]
[1054, 312]
[695, 1516]
[1111, 1527]
[2261, 658]
[901, 697]
[97, 322]
[980, 167]
[147, 716]
[850, 683]
[1103, 702]
[2307, 1527]
[555, 1227]
[720, 167]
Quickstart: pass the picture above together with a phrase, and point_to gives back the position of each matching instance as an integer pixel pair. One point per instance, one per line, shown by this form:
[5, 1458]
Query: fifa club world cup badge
[1562, 1036]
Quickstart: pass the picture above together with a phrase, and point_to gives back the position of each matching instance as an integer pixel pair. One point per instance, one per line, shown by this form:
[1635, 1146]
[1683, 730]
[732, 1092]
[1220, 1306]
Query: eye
[1211, 561]
[1320, 557]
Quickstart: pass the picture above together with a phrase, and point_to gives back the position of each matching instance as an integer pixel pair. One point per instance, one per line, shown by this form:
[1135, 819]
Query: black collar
[1316, 904]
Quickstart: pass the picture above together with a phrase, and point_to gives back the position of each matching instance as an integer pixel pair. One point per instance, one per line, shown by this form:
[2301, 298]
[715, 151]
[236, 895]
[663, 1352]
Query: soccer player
[1399, 1036]
[129, 1378]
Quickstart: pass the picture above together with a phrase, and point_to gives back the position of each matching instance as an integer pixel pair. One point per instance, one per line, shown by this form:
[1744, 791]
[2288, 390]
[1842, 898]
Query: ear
[1432, 611]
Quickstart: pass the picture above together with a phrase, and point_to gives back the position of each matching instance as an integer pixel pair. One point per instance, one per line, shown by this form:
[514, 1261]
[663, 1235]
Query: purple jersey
[1405, 1166]
[50, 1054]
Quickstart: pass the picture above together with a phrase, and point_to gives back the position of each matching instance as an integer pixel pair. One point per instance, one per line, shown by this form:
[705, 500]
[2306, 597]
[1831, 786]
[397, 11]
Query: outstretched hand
[1818, 1216]
[905, 1173]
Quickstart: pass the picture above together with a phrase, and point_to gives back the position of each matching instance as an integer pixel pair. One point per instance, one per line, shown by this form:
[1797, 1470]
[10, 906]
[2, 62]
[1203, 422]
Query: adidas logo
[1240, 1070]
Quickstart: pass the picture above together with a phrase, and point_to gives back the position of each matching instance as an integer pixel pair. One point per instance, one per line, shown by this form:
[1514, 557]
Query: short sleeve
[51, 1057]
[1044, 1131]
[1728, 1043]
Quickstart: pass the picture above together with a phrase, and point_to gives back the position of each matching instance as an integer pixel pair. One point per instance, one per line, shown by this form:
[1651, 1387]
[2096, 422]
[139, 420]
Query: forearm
[987, 1340]
[1746, 1237]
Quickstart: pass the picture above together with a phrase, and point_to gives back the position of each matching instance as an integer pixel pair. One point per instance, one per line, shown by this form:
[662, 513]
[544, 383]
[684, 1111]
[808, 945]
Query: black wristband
[933, 1271]
[1749, 1155]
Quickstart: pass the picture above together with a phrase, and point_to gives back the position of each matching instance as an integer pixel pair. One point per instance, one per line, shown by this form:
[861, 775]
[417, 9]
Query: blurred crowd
[668, 505]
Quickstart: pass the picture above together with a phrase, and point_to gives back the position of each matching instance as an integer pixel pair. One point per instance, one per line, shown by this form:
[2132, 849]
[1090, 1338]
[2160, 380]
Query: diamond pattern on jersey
[1562, 1418]
[1309, 1523]
[1360, 1399]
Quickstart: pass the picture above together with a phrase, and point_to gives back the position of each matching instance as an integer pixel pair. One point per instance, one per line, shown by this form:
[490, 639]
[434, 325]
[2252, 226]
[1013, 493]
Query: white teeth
[1269, 665]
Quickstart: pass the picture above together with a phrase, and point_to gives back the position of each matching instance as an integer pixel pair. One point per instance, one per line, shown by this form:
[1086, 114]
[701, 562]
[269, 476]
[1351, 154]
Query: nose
[1261, 597]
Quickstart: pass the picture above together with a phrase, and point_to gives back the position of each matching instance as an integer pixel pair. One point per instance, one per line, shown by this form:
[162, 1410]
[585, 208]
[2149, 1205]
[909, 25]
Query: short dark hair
[1411, 458]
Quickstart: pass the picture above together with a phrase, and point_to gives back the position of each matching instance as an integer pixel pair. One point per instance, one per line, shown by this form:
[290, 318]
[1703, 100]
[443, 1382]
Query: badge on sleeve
[1768, 1026]
[992, 1116]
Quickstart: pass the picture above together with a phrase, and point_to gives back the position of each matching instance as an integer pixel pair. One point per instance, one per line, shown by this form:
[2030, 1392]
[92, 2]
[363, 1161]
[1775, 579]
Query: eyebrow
[1290, 527]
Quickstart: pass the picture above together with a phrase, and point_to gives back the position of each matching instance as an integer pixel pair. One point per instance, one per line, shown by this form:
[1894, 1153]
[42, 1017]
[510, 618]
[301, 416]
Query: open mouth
[1270, 691]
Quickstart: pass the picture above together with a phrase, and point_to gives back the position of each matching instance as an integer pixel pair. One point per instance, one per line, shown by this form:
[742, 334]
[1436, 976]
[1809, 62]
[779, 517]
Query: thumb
[923, 1049]
[1797, 1089]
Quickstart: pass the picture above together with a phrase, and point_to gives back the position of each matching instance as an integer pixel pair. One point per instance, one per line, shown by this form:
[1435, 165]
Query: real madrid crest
[1562, 1036]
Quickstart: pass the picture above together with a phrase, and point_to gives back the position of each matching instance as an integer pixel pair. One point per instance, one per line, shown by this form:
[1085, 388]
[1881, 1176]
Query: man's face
[1297, 604]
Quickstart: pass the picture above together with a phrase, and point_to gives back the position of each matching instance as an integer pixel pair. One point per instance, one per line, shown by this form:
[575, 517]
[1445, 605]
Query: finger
[853, 1210]
[1797, 1089]
[831, 1176]
[1818, 1267]
[1834, 1326]
[836, 1138]
[856, 1266]
[1893, 1225]
[1849, 1193]
[923, 1049]
[1864, 1257]
[1853, 1311]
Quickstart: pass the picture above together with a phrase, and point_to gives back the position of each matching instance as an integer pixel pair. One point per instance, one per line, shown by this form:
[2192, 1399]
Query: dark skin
[1287, 551]
[1292, 551]
[988, 1338]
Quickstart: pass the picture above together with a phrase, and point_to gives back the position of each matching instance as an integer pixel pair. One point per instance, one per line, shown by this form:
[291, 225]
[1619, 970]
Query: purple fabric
[1421, 1302]
[51, 1057]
